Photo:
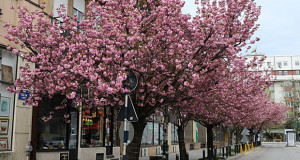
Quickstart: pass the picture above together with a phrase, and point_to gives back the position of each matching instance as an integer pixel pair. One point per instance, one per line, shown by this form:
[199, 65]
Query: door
[73, 136]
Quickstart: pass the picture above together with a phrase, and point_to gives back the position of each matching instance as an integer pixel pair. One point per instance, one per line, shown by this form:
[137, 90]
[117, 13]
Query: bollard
[215, 153]
[187, 156]
[227, 150]
[177, 156]
[241, 149]
[235, 149]
[223, 152]
[203, 154]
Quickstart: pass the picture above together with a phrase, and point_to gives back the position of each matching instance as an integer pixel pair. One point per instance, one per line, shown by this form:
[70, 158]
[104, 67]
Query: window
[153, 134]
[289, 104]
[287, 93]
[60, 132]
[271, 87]
[297, 85]
[297, 63]
[287, 83]
[269, 64]
[279, 64]
[148, 134]
[297, 95]
[271, 95]
[92, 127]
[286, 73]
[77, 13]
[285, 63]
[297, 72]
[174, 134]
[279, 72]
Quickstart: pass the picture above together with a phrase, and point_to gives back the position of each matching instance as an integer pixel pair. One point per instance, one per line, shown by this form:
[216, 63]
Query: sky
[279, 26]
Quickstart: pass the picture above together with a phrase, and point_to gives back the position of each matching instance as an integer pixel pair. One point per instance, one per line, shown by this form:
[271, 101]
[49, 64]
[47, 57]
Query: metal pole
[125, 127]
[165, 144]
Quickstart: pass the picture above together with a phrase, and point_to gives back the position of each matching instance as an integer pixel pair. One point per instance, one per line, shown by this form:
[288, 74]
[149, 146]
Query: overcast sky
[280, 26]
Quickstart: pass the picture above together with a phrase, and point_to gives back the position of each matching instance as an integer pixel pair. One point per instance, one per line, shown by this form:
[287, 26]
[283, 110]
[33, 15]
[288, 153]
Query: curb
[237, 156]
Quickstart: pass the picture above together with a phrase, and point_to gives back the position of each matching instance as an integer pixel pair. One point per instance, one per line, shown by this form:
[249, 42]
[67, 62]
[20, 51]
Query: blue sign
[24, 94]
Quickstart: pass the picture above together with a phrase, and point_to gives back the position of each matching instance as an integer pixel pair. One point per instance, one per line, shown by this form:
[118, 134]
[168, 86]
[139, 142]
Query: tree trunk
[251, 134]
[182, 148]
[238, 136]
[210, 141]
[133, 149]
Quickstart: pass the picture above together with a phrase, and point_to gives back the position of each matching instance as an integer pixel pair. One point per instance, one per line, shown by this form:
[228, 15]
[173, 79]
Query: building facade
[74, 134]
[285, 71]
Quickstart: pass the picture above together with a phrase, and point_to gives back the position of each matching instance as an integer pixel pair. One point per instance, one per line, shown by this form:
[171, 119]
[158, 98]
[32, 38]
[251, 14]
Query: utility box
[290, 138]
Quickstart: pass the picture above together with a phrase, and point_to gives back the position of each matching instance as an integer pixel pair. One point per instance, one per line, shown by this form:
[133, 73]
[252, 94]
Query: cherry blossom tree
[232, 97]
[87, 61]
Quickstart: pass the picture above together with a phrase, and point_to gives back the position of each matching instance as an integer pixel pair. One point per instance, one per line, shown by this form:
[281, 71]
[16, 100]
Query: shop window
[54, 133]
[297, 72]
[92, 127]
[153, 134]
[148, 134]
[7, 76]
[279, 72]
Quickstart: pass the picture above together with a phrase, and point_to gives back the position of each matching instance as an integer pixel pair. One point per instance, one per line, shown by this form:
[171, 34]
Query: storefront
[8, 62]
[88, 133]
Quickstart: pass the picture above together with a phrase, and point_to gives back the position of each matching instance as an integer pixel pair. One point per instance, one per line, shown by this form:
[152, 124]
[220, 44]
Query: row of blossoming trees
[190, 65]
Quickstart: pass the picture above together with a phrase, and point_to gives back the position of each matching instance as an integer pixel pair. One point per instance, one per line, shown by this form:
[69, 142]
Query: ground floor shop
[85, 133]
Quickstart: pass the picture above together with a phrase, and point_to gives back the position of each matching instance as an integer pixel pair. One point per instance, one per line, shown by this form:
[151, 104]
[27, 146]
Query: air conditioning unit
[158, 150]
[175, 149]
[144, 152]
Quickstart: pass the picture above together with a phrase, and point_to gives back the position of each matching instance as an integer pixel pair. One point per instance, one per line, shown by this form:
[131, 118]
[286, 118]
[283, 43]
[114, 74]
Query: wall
[23, 122]
[49, 155]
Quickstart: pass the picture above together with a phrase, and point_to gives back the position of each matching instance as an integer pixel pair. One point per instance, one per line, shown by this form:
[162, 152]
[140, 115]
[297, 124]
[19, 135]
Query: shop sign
[64, 156]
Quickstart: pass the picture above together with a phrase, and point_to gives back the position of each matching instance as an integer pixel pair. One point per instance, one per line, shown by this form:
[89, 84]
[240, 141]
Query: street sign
[131, 81]
[130, 132]
[24, 94]
[131, 114]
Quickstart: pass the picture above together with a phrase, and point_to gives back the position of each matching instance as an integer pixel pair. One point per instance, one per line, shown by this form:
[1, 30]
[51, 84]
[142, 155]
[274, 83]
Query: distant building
[285, 71]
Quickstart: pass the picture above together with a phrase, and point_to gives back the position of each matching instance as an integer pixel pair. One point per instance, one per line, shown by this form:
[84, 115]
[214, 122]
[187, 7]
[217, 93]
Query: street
[272, 151]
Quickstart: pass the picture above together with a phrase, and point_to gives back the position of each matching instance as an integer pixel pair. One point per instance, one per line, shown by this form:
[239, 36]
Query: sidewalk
[193, 154]
[198, 154]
